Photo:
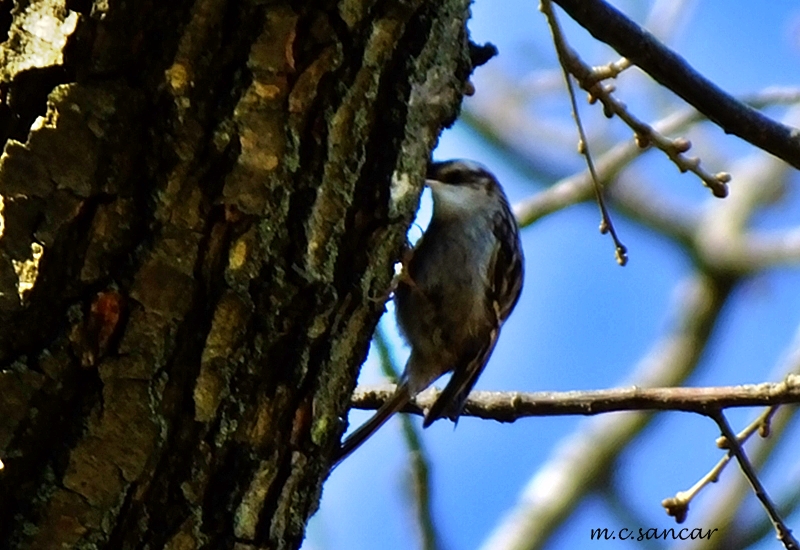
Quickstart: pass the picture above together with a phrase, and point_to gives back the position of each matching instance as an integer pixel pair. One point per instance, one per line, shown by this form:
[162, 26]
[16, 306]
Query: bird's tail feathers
[400, 398]
[451, 401]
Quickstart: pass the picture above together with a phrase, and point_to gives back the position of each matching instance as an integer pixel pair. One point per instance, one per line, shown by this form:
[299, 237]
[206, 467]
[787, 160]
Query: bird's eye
[453, 176]
[458, 176]
[457, 173]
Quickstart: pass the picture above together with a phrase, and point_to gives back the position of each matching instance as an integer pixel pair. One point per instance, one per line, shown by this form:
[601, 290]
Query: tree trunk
[203, 205]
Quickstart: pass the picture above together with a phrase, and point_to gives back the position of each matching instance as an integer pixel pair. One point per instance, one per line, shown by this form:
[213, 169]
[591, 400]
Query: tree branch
[629, 196]
[723, 511]
[510, 406]
[565, 55]
[670, 70]
[678, 506]
[784, 533]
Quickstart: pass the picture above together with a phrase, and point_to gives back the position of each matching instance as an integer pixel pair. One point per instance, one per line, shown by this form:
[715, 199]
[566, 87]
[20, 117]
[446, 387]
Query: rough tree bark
[207, 198]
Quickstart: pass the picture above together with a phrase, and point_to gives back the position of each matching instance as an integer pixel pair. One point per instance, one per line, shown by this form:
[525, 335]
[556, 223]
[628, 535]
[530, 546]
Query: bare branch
[591, 81]
[678, 506]
[606, 225]
[721, 511]
[510, 406]
[670, 70]
[784, 533]
[639, 203]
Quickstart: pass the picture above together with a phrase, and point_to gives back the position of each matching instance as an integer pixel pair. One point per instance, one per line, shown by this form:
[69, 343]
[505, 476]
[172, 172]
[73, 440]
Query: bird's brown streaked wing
[507, 268]
[398, 400]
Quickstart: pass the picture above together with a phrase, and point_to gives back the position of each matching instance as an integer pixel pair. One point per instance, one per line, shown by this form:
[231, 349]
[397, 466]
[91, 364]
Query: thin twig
[577, 188]
[678, 506]
[670, 70]
[606, 225]
[722, 510]
[749, 534]
[610, 70]
[645, 134]
[784, 533]
[761, 425]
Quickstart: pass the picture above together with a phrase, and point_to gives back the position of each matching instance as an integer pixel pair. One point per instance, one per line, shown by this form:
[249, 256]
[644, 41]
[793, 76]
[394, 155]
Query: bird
[456, 289]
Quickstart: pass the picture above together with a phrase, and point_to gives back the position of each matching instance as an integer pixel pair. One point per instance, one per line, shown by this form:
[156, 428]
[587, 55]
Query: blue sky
[582, 321]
